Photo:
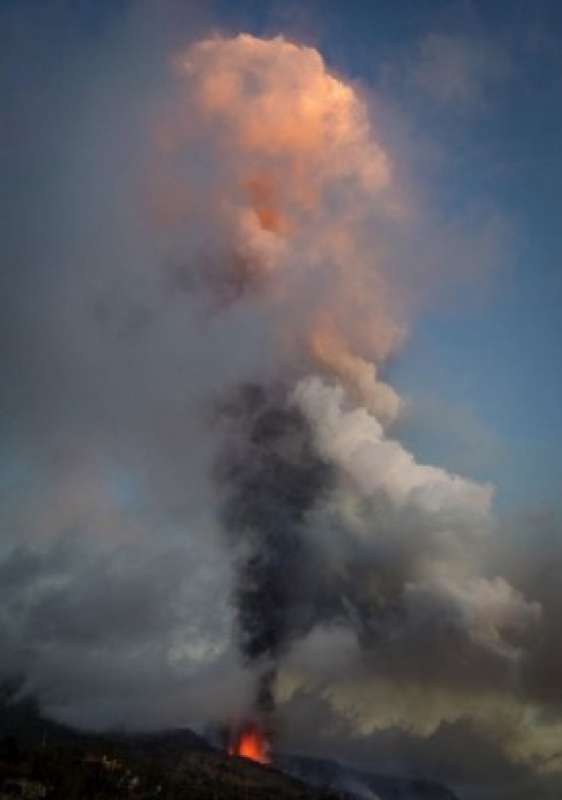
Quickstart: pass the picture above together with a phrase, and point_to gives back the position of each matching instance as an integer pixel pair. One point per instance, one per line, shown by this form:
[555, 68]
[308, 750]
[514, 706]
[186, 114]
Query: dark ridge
[46, 759]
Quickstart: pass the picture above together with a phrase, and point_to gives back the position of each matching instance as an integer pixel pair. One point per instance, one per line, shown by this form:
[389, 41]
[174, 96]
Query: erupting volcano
[250, 741]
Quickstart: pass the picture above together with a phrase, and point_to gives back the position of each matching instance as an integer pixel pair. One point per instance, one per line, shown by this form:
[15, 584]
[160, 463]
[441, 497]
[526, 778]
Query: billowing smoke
[286, 217]
[334, 521]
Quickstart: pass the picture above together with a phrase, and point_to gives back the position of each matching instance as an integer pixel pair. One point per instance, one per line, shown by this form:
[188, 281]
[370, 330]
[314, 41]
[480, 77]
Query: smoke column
[272, 477]
[297, 163]
[331, 521]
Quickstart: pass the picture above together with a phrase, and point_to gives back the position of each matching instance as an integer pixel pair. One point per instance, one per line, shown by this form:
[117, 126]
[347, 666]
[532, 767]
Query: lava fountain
[250, 741]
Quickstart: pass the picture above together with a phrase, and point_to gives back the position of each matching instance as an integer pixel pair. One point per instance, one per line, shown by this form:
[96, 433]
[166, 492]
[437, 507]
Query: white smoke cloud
[432, 538]
[355, 440]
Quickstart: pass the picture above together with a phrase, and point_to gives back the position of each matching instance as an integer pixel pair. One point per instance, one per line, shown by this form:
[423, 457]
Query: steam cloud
[207, 503]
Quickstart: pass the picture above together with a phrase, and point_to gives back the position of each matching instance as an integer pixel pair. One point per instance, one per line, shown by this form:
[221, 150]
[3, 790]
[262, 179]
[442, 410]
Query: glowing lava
[250, 742]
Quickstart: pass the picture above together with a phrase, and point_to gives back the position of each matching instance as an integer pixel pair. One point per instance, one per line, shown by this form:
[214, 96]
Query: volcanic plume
[319, 503]
[298, 166]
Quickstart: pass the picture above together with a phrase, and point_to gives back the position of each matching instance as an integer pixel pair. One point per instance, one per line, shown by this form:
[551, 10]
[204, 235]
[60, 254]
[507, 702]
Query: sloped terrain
[43, 760]
[334, 776]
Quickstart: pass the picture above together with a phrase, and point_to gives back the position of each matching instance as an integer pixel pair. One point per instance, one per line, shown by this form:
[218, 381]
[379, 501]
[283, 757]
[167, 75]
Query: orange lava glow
[250, 742]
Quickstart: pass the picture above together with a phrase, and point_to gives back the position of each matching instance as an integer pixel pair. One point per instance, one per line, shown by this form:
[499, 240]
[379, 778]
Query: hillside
[43, 760]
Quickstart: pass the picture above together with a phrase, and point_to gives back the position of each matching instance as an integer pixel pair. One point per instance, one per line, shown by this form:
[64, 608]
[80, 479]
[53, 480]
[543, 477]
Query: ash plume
[311, 477]
[271, 477]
